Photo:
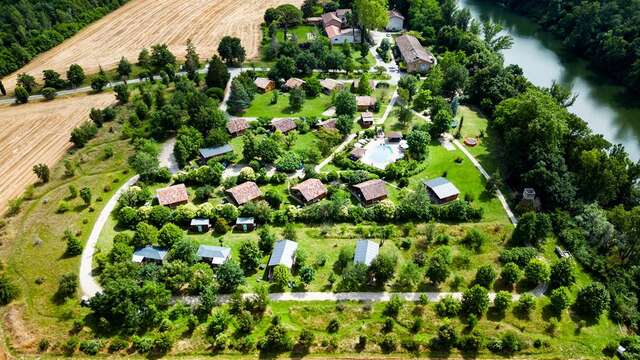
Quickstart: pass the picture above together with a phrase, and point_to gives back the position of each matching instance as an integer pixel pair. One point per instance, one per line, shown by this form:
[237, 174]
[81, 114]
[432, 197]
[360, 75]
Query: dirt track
[38, 133]
[142, 23]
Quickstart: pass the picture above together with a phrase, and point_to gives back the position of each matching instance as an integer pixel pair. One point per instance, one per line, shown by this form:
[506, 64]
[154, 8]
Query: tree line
[605, 32]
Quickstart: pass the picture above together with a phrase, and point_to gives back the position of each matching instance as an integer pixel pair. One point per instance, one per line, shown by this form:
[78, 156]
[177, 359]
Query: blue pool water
[379, 156]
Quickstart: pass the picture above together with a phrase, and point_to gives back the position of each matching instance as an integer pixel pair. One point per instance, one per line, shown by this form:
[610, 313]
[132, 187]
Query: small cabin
[207, 154]
[149, 255]
[442, 190]
[245, 224]
[200, 225]
[173, 196]
[370, 192]
[366, 252]
[214, 255]
[264, 85]
[284, 253]
[366, 119]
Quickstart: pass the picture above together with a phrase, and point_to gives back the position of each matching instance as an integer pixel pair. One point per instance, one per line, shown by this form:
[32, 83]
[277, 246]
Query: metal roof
[217, 254]
[215, 151]
[245, 220]
[199, 221]
[149, 252]
[366, 251]
[283, 253]
[442, 188]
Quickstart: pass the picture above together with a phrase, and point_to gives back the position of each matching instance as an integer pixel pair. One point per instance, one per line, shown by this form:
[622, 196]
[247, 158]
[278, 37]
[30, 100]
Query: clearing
[142, 23]
[38, 133]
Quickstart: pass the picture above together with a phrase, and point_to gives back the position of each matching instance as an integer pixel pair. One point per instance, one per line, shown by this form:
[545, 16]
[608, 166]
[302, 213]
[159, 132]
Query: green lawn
[300, 32]
[262, 107]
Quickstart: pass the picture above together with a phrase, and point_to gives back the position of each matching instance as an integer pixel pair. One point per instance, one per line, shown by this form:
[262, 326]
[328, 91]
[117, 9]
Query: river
[603, 105]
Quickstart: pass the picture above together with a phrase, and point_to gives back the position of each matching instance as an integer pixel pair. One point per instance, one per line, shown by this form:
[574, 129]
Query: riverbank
[601, 103]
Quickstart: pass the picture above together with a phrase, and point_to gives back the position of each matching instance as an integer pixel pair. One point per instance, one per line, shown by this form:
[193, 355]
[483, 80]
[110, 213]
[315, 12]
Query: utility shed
[284, 253]
[214, 255]
[149, 254]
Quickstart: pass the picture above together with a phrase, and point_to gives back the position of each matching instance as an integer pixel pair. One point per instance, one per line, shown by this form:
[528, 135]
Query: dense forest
[30, 27]
[605, 32]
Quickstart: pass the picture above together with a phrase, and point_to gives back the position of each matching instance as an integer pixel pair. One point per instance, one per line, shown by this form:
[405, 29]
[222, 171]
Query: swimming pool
[380, 155]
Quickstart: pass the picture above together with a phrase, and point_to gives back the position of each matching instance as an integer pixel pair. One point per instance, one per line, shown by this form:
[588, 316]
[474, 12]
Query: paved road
[346, 296]
[166, 158]
[88, 284]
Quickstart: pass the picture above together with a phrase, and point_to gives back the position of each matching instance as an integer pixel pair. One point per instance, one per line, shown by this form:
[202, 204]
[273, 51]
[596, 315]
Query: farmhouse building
[371, 191]
[366, 251]
[264, 84]
[309, 191]
[416, 58]
[335, 26]
[214, 255]
[237, 126]
[442, 190]
[149, 254]
[173, 195]
[396, 21]
[284, 253]
[244, 193]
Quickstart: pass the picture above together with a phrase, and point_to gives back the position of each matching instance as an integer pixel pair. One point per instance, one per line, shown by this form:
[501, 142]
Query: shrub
[90, 347]
[592, 300]
[559, 298]
[485, 276]
[142, 344]
[8, 290]
[388, 343]
[521, 256]
[511, 273]
[117, 345]
[333, 326]
[474, 239]
[536, 272]
[526, 304]
[63, 207]
[502, 301]
[392, 308]
[475, 300]
[49, 93]
[448, 306]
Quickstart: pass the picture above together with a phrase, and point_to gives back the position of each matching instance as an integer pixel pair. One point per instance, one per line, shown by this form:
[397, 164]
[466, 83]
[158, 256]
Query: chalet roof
[283, 253]
[149, 252]
[237, 125]
[331, 19]
[311, 189]
[330, 84]
[394, 13]
[365, 100]
[200, 222]
[284, 125]
[442, 188]
[293, 83]
[367, 116]
[372, 189]
[328, 124]
[245, 192]
[217, 254]
[366, 251]
[412, 51]
[394, 135]
[208, 153]
[357, 153]
[245, 221]
[262, 83]
[172, 195]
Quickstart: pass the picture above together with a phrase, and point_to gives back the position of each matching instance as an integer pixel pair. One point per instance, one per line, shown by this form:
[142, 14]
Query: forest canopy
[28, 28]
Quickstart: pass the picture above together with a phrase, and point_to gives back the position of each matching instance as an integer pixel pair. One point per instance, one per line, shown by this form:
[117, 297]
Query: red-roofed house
[309, 191]
[284, 125]
[371, 191]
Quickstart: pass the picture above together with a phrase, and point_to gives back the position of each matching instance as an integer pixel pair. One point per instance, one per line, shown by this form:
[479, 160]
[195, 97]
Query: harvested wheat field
[142, 23]
[38, 133]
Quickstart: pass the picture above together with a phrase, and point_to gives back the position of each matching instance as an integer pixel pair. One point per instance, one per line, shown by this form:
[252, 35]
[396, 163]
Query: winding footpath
[88, 284]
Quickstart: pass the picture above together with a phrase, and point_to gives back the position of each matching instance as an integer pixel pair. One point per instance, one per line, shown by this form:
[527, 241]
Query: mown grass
[262, 106]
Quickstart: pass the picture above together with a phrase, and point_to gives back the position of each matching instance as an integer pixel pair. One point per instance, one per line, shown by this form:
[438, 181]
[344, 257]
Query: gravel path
[88, 284]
